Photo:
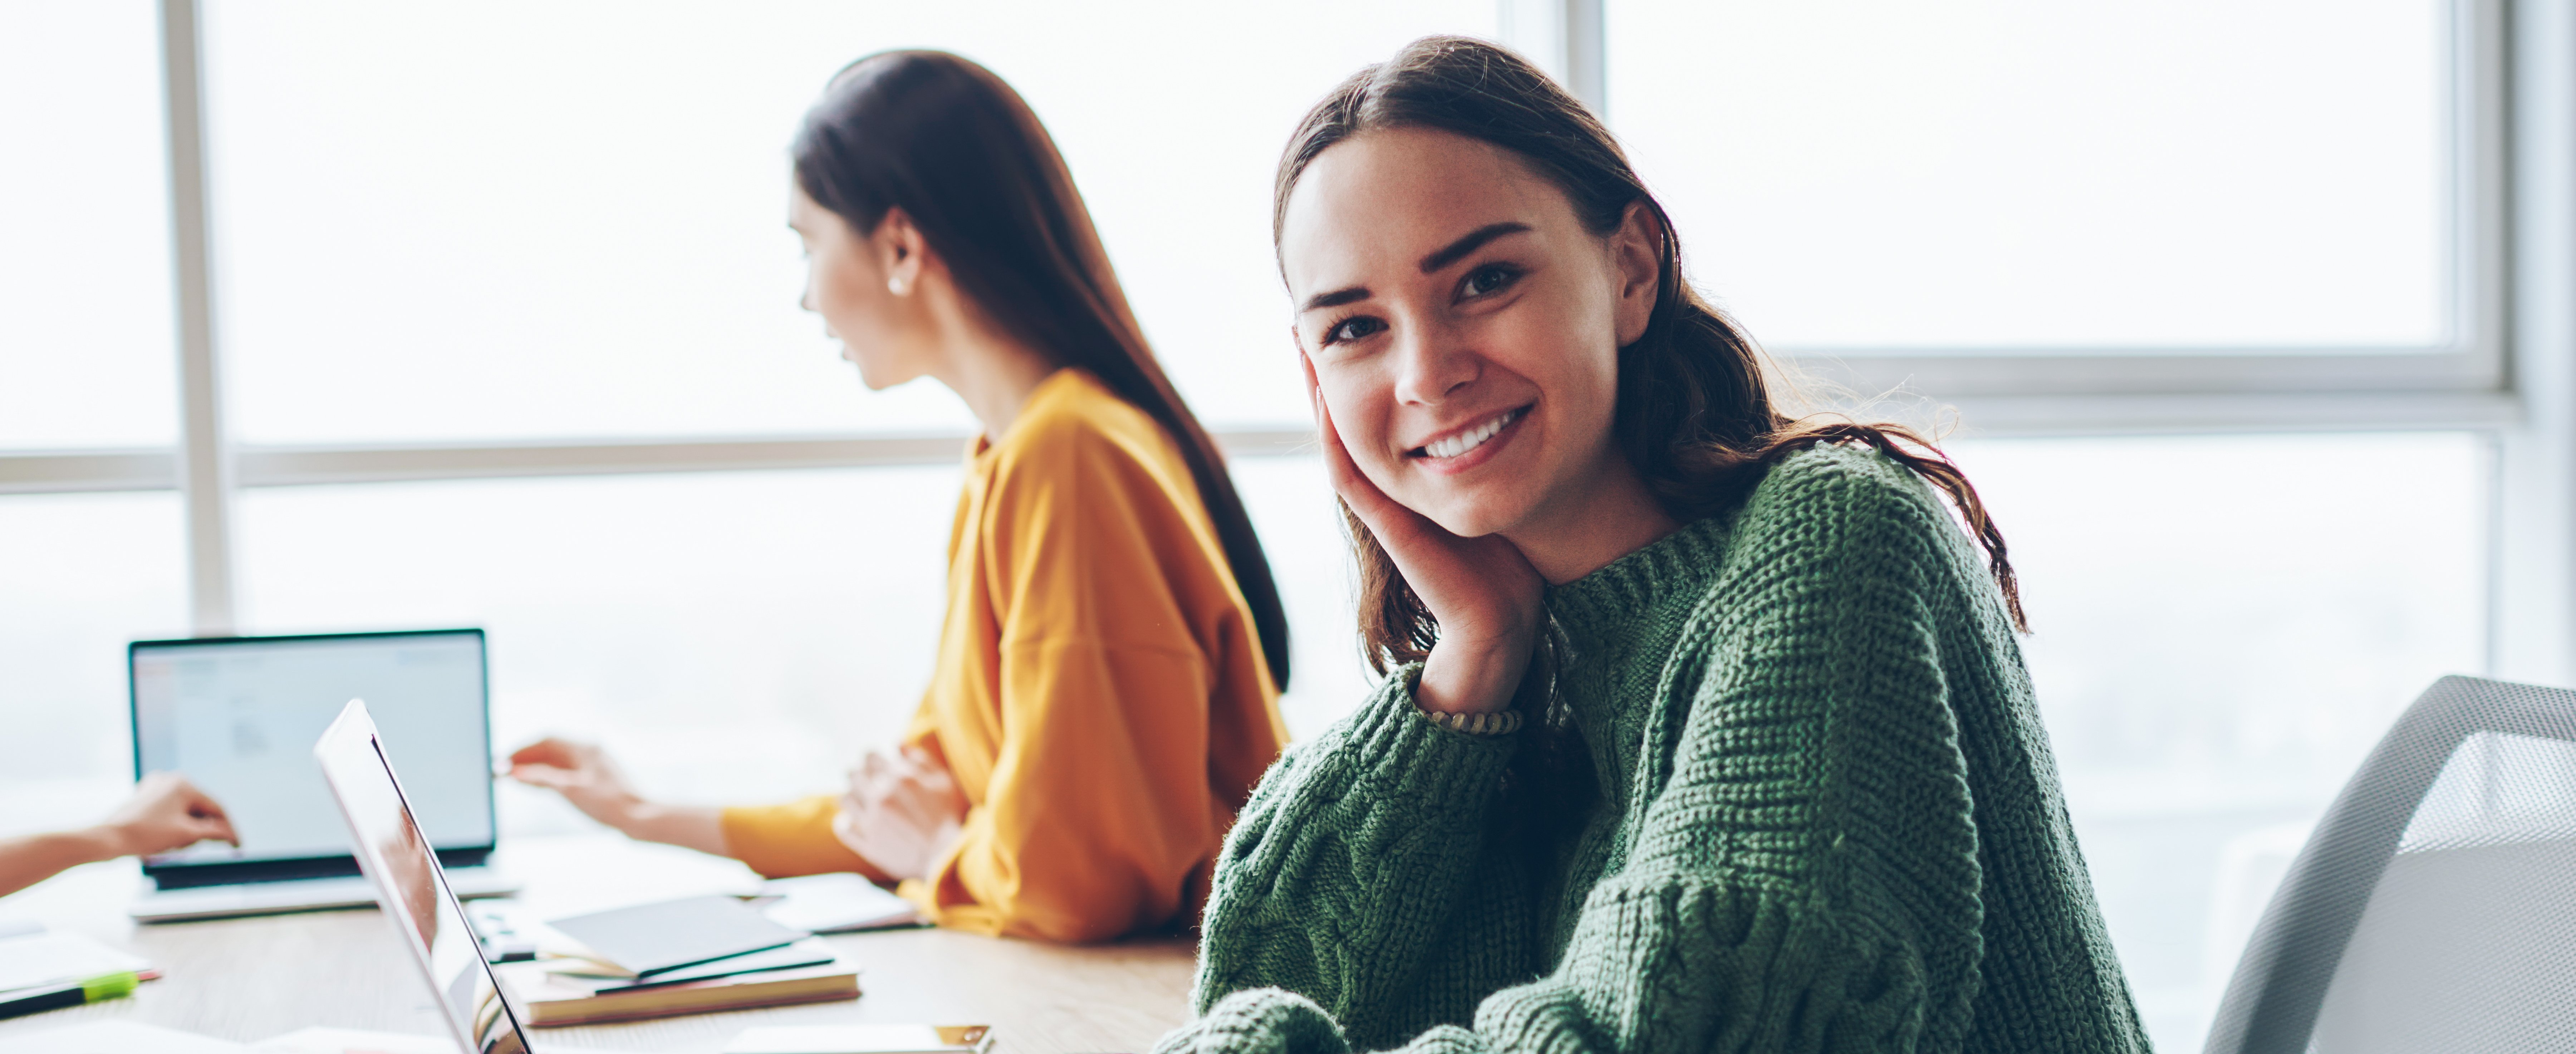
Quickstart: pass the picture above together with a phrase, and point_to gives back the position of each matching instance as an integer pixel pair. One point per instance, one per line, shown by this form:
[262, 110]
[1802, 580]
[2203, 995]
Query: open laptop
[232, 714]
[393, 851]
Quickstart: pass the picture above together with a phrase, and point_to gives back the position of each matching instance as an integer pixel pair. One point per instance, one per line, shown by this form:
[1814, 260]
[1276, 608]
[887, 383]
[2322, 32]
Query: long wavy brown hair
[964, 156]
[1695, 413]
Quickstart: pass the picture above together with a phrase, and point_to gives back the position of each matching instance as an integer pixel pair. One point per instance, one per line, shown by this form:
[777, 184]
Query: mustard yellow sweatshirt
[1100, 694]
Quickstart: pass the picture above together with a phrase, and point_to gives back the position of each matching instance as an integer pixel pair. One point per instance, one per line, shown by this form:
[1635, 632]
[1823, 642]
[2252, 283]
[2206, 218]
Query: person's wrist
[635, 817]
[1461, 677]
[106, 841]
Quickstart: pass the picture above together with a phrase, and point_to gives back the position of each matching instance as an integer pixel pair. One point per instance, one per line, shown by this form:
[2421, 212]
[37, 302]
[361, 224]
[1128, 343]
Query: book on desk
[552, 999]
[686, 956]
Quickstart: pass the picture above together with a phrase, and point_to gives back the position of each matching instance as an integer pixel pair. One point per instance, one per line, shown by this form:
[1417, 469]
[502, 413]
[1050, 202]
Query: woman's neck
[991, 371]
[1579, 533]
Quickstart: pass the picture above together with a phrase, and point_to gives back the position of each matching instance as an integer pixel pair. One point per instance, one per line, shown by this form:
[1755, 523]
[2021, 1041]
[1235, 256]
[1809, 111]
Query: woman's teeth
[1469, 439]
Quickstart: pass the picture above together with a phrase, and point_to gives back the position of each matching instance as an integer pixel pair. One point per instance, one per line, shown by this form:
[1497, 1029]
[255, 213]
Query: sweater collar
[1604, 603]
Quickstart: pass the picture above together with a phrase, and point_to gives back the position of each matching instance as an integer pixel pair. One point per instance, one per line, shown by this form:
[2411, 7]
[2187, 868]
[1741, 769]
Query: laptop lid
[393, 851]
[232, 712]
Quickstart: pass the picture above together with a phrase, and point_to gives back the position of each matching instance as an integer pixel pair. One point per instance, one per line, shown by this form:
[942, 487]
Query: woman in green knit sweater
[1706, 730]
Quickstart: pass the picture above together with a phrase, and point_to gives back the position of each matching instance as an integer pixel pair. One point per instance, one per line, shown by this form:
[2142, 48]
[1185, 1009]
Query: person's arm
[165, 813]
[37, 857]
[1805, 880]
[585, 776]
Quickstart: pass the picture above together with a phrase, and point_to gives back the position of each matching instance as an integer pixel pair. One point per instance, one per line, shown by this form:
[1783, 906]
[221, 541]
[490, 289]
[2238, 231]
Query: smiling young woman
[1707, 728]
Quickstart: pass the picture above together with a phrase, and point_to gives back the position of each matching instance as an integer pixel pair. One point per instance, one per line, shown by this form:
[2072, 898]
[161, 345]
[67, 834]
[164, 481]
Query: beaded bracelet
[1497, 723]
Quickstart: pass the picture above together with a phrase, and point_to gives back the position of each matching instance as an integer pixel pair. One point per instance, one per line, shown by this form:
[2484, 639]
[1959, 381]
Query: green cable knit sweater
[1821, 816]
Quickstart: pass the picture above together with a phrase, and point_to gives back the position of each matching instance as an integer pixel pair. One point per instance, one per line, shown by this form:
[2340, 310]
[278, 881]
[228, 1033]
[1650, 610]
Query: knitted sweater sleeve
[1805, 878]
[1361, 855]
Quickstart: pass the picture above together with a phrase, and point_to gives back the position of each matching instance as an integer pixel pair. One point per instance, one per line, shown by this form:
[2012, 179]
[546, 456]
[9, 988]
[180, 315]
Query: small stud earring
[895, 286]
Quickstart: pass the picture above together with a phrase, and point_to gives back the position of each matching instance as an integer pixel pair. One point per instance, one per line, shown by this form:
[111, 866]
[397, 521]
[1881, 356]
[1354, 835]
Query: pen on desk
[104, 986]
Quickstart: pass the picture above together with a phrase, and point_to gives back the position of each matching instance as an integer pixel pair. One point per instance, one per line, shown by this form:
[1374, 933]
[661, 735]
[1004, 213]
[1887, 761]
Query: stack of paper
[38, 960]
[682, 956]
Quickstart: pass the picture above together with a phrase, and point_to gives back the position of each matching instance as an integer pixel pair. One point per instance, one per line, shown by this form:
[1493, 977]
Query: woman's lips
[1474, 446]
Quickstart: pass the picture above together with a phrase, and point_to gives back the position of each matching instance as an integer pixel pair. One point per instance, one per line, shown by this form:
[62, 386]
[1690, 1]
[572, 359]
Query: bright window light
[488, 220]
[2222, 627]
[2002, 175]
[80, 575]
[86, 352]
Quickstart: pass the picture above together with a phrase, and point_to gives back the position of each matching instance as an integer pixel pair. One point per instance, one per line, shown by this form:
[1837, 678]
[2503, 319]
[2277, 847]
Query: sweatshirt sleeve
[1806, 859]
[1359, 853]
[793, 838]
[796, 838]
[1098, 818]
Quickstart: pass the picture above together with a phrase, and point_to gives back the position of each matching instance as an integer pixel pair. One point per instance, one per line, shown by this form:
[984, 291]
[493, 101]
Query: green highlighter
[103, 986]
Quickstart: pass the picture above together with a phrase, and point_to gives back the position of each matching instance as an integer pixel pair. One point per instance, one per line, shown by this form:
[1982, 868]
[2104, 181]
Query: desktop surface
[252, 978]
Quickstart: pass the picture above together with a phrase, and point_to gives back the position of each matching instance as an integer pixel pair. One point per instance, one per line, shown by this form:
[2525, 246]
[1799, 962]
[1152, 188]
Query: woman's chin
[1467, 519]
[877, 380]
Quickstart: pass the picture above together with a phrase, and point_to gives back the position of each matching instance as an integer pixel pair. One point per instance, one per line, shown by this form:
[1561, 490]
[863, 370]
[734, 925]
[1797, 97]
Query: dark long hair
[1695, 414]
[946, 141]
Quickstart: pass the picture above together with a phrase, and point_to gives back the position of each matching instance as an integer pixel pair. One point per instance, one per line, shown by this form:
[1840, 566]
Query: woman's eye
[1352, 329]
[1488, 279]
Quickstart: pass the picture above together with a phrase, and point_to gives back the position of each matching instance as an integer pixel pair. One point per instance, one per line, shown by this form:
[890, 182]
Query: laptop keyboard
[303, 894]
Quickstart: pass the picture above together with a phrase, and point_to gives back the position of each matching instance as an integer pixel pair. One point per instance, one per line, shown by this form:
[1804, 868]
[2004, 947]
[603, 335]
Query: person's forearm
[35, 858]
[701, 829]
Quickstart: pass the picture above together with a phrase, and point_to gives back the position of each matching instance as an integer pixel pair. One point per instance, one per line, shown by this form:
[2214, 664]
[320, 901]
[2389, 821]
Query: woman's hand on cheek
[1484, 593]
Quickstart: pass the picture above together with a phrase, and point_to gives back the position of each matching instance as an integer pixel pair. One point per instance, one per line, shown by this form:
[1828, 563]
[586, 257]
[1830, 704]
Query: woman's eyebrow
[1474, 240]
[1448, 254]
[1336, 298]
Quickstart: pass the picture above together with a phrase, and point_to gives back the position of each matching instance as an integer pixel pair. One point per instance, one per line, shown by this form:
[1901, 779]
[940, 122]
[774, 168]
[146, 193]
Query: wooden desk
[248, 979]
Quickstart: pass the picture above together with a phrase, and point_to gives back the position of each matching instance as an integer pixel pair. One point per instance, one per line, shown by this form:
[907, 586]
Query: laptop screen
[409, 885]
[236, 716]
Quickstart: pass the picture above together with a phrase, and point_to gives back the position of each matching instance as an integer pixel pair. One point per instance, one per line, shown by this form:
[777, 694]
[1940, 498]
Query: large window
[84, 230]
[568, 219]
[2009, 198]
[2222, 627]
[2026, 175]
[503, 330]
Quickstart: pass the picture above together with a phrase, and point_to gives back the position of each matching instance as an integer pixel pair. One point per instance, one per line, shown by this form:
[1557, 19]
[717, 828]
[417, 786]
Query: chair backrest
[2435, 906]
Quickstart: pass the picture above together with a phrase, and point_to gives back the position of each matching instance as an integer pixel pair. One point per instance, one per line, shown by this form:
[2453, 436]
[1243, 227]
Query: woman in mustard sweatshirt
[1106, 688]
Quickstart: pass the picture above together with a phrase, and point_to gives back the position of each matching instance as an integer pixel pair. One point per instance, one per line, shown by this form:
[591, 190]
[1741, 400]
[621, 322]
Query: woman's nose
[1433, 364]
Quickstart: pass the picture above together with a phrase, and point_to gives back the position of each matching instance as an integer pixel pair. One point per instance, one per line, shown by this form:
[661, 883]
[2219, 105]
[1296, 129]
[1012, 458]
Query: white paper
[836, 902]
[119, 1037]
[55, 958]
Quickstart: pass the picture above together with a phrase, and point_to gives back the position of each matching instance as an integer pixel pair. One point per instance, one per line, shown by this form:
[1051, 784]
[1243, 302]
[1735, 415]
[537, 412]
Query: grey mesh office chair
[2434, 909]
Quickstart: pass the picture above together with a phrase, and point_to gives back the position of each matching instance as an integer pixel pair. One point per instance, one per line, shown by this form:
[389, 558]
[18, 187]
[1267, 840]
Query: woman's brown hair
[963, 155]
[1695, 414]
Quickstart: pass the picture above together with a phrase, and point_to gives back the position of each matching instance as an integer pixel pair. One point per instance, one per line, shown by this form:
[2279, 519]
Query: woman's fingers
[547, 776]
[560, 753]
[211, 820]
[212, 829]
[1381, 513]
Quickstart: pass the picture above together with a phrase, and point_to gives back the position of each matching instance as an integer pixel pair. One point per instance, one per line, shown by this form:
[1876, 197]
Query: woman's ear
[1637, 257]
[901, 251]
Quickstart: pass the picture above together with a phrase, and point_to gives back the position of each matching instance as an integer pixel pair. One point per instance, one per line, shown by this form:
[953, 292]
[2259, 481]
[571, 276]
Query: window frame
[2465, 381]
[2474, 383]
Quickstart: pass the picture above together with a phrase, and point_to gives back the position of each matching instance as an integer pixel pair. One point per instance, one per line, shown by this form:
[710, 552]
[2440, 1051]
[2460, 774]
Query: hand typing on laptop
[165, 813]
